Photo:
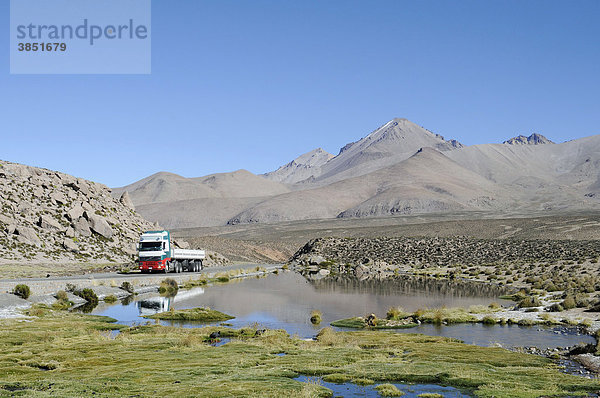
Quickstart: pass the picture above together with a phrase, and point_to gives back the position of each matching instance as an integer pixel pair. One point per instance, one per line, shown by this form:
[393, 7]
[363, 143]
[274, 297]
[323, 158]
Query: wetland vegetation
[68, 354]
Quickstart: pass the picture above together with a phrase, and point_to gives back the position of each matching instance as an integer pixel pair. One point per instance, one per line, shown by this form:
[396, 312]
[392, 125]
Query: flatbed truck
[157, 253]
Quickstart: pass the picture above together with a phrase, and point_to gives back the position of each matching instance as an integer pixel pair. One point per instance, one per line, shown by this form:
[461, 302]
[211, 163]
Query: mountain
[399, 168]
[391, 143]
[533, 139]
[426, 182]
[210, 200]
[303, 167]
[167, 187]
[52, 217]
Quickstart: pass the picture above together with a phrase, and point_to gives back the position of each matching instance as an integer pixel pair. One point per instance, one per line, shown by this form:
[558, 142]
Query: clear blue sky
[253, 84]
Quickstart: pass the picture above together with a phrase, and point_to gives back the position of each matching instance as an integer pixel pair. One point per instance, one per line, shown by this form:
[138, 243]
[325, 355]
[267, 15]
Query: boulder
[69, 245]
[58, 197]
[5, 220]
[126, 200]
[10, 229]
[316, 260]
[82, 227]
[75, 212]
[99, 225]
[361, 271]
[181, 244]
[49, 223]
[28, 236]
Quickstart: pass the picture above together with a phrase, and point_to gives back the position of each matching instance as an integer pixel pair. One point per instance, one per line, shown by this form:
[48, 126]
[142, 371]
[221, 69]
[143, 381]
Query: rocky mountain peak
[301, 168]
[533, 139]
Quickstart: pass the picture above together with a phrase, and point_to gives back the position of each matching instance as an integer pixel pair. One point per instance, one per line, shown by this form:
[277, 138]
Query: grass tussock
[316, 317]
[388, 390]
[168, 287]
[110, 299]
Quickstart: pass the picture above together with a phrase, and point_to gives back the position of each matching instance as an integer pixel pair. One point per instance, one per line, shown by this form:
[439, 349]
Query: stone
[10, 229]
[125, 200]
[82, 227]
[70, 245]
[58, 197]
[49, 223]
[361, 271]
[316, 260]
[99, 225]
[28, 236]
[5, 220]
[324, 272]
[182, 244]
[70, 232]
[75, 212]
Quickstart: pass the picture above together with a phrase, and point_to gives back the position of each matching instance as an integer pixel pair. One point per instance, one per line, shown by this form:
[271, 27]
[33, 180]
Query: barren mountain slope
[167, 187]
[426, 182]
[301, 168]
[555, 176]
[195, 212]
[391, 143]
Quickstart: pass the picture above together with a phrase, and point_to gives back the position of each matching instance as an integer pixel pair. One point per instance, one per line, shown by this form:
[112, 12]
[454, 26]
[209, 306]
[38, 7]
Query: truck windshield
[150, 246]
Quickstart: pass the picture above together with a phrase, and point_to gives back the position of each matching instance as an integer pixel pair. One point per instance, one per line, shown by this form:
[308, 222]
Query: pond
[285, 301]
[350, 390]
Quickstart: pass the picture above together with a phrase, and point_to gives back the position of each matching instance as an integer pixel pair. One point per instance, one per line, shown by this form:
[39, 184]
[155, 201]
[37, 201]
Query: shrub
[396, 313]
[488, 320]
[529, 301]
[110, 299]
[22, 291]
[168, 286]
[315, 317]
[61, 295]
[525, 322]
[569, 303]
[555, 308]
[88, 295]
[128, 287]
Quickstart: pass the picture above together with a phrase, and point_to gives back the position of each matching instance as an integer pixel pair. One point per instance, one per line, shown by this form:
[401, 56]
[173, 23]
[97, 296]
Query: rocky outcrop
[49, 216]
[125, 200]
[533, 139]
[367, 257]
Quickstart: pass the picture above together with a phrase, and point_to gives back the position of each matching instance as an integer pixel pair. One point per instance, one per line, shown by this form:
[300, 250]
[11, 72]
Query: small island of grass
[192, 314]
[362, 323]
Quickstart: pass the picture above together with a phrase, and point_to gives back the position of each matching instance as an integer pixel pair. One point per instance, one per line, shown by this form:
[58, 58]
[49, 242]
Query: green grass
[359, 323]
[73, 355]
[193, 314]
[388, 390]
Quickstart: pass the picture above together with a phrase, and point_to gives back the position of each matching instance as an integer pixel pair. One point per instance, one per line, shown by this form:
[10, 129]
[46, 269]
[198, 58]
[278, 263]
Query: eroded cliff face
[48, 216]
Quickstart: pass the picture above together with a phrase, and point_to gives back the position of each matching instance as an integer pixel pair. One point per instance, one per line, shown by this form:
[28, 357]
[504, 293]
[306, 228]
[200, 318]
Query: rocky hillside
[48, 216]
[303, 167]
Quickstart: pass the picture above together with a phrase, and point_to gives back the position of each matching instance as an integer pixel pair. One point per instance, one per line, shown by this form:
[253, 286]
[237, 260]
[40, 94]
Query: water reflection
[285, 301]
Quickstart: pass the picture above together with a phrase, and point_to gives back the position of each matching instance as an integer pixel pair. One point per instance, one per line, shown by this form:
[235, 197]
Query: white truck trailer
[156, 252]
